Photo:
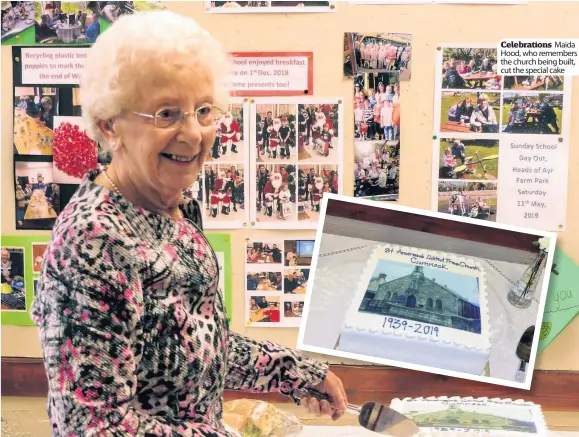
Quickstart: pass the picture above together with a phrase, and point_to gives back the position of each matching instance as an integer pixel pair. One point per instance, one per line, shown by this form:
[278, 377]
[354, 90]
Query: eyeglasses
[175, 117]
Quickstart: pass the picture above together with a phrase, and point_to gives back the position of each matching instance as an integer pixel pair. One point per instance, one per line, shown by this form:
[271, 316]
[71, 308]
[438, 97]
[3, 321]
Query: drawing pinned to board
[280, 7]
[277, 273]
[377, 127]
[378, 53]
[298, 145]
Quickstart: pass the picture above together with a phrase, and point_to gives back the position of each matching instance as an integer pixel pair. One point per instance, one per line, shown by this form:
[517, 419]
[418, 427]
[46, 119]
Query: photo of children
[264, 252]
[470, 112]
[229, 144]
[469, 159]
[468, 199]
[532, 113]
[275, 132]
[264, 309]
[38, 250]
[37, 197]
[376, 172]
[313, 181]
[34, 111]
[67, 22]
[13, 286]
[381, 52]
[318, 128]
[293, 308]
[533, 83]
[264, 281]
[298, 252]
[296, 281]
[223, 190]
[275, 193]
[472, 68]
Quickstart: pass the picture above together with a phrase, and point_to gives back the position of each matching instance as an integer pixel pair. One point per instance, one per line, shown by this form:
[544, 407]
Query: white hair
[125, 54]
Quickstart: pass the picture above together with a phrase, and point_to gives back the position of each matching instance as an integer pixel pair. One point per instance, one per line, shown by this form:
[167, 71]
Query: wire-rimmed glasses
[165, 118]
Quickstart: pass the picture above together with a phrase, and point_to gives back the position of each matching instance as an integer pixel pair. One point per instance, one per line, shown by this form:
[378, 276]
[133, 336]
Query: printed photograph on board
[318, 132]
[67, 22]
[275, 199]
[298, 252]
[470, 112]
[16, 18]
[34, 111]
[382, 52]
[264, 252]
[13, 286]
[112, 11]
[264, 309]
[532, 113]
[533, 83]
[313, 181]
[275, 132]
[36, 195]
[264, 281]
[293, 309]
[229, 145]
[468, 199]
[285, 6]
[377, 169]
[38, 250]
[469, 159]
[74, 152]
[296, 281]
[224, 192]
[470, 68]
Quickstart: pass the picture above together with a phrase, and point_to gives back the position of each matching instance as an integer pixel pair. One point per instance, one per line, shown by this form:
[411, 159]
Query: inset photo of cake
[427, 291]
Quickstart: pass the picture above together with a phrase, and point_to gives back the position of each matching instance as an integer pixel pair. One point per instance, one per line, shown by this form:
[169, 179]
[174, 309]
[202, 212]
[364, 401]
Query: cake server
[372, 416]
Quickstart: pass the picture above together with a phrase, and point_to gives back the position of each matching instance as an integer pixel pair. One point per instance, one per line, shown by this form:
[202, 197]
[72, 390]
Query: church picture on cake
[424, 295]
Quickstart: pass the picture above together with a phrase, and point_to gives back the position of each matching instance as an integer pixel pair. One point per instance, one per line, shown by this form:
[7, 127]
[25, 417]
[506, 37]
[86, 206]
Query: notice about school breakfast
[52, 65]
[272, 74]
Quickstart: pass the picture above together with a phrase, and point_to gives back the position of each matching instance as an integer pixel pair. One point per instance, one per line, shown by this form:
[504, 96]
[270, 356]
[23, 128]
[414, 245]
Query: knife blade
[372, 415]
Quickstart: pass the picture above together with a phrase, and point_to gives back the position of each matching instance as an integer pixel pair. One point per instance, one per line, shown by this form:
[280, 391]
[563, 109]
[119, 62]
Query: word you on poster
[52, 65]
[539, 57]
[272, 74]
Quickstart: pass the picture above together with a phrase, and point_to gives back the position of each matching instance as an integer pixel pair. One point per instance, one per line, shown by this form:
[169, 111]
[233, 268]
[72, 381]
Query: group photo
[379, 52]
[59, 22]
[468, 199]
[318, 126]
[533, 83]
[527, 113]
[223, 189]
[264, 252]
[34, 111]
[264, 281]
[293, 308]
[37, 197]
[470, 68]
[469, 159]
[275, 132]
[13, 284]
[275, 193]
[470, 112]
[376, 169]
[296, 281]
[229, 144]
[313, 181]
[264, 309]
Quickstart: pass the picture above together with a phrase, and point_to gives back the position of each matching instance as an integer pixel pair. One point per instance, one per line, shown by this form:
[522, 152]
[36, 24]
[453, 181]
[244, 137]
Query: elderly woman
[132, 325]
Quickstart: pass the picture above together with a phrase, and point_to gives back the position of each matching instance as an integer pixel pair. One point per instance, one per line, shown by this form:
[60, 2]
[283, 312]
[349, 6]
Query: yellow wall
[323, 34]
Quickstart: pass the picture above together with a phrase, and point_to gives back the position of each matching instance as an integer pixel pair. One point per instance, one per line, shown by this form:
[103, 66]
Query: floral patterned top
[133, 327]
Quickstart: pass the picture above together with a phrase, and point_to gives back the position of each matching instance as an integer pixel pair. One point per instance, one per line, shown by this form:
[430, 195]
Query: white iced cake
[420, 307]
[449, 416]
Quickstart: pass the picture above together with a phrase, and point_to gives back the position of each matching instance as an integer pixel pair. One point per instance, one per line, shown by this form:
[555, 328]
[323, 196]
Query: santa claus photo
[275, 132]
[224, 193]
[313, 182]
[275, 193]
[318, 132]
[229, 141]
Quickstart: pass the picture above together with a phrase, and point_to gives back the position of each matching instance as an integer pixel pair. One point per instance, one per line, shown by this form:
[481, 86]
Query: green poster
[562, 303]
[21, 257]
[221, 244]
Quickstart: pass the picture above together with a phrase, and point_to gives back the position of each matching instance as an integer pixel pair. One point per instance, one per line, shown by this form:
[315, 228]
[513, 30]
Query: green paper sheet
[221, 244]
[562, 304]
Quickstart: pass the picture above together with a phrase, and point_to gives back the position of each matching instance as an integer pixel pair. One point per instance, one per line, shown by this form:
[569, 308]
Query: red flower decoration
[74, 153]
